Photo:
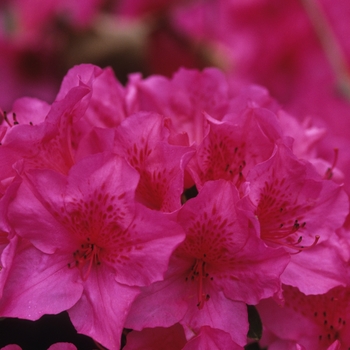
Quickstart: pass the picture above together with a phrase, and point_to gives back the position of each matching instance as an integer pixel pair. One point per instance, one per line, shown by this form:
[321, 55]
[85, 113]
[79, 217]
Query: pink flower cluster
[165, 207]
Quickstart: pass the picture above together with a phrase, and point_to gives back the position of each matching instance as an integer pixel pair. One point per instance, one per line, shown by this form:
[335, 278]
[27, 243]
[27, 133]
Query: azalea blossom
[232, 147]
[288, 202]
[90, 237]
[214, 272]
[143, 140]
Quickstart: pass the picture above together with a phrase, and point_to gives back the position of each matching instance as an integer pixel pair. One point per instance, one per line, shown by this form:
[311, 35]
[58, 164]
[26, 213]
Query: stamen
[4, 113]
[14, 117]
[296, 246]
[329, 172]
[88, 254]
[279, 235]
[198, 273]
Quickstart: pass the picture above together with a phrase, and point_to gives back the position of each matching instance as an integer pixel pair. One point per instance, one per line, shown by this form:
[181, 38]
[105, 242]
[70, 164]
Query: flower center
[85, 257]
[198, 273]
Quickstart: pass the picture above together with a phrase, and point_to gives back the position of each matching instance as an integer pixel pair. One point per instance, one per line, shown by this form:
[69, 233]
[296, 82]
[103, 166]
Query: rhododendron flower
[48, 143]
[232, 147]
[316, 322]
[142, 139]
[289, 198]
[219, 267]
[90, 237]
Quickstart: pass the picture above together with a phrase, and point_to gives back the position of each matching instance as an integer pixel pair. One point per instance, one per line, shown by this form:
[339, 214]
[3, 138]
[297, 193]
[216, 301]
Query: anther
[329, 172]
[4, 113]
[14, 117]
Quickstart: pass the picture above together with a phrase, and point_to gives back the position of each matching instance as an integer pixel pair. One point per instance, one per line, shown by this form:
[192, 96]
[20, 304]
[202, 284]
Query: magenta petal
[7, 255]
[84, 73]
[62, 346]
[335, 346]
[314, 321]
[30, 110]
[103, 307]
[287, 345]
[155, 238]
[213, 339]
[307, 274]
[159, 338]
[218, 313]
[32, 212]
[161, 304]
[143, 140]
[213, 223]
[39, 284]
[11, 347]
[254, 274]
[286, 323]
[107, 106]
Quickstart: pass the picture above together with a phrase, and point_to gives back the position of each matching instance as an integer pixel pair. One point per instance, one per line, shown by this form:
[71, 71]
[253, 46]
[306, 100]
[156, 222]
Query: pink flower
[47, 144]
[219, 267]
[92, 246]
[233, 146]
[288, 199]
[142, 139]
[77, 124]
[315, 321]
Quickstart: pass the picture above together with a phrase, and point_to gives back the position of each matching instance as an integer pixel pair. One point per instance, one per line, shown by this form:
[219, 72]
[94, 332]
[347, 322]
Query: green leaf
[255, 325]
